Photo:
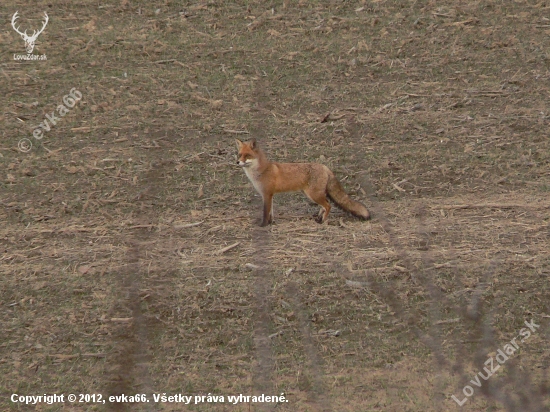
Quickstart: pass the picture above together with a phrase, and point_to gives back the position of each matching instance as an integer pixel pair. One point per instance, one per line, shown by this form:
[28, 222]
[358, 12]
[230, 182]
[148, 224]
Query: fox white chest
[253, 176]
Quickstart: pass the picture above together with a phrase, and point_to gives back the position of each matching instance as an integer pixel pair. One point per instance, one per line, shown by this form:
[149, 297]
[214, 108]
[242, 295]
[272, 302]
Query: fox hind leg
[321, 199]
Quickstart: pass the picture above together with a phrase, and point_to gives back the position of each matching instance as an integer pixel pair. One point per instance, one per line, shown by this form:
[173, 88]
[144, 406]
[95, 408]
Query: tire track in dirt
[319, 401]
[264, 367]
[129, 374]
[263, 372]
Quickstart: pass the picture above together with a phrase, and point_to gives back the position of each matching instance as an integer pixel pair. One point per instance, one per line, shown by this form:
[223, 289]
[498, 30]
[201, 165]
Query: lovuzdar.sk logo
[29, 40]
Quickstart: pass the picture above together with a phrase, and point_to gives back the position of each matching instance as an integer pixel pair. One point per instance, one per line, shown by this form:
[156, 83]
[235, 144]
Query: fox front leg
[268, 211]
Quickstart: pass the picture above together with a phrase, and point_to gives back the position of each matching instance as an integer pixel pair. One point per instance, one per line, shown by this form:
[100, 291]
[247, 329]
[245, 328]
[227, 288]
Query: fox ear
[253, 144]
[239, 143]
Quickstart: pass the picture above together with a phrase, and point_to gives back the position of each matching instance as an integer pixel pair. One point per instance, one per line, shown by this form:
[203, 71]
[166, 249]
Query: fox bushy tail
[338, 195]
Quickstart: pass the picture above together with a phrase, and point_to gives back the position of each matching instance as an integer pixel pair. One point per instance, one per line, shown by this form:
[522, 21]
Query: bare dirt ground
[131, 260]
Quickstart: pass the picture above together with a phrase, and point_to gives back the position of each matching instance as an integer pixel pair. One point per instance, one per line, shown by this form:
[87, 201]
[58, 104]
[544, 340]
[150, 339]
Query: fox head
[248, 153]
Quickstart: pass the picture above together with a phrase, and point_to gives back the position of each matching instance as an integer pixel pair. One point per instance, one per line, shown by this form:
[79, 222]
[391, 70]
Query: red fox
[314, 179]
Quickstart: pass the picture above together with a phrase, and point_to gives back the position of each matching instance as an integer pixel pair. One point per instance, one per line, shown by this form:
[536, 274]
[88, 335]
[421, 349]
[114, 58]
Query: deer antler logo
[29, 40]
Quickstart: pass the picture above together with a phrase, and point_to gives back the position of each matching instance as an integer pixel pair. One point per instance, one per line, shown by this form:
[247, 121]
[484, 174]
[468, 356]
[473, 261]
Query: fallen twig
[188, 225]
[225, 249]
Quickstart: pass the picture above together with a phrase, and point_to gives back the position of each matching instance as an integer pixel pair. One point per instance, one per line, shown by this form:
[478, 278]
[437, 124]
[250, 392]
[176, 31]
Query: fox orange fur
[314, 179]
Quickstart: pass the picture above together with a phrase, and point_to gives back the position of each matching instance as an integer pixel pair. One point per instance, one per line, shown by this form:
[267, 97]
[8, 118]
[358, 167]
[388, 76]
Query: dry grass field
[131, 261]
